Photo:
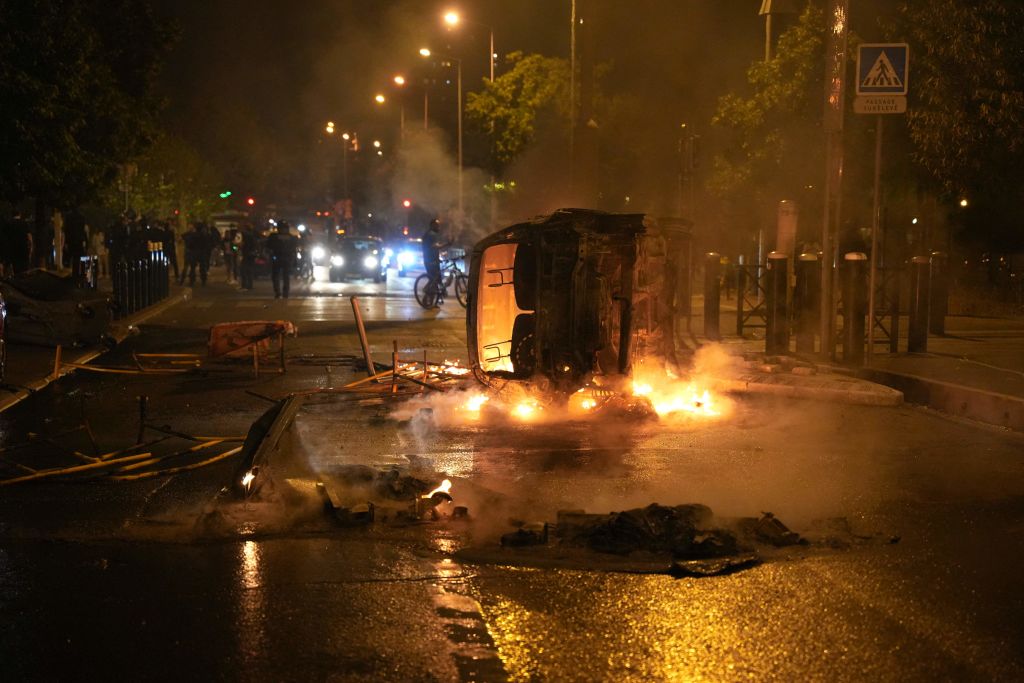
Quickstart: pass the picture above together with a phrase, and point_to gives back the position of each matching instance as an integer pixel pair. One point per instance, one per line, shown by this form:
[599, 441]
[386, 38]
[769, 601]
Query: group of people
[240, 247]
[129, 238]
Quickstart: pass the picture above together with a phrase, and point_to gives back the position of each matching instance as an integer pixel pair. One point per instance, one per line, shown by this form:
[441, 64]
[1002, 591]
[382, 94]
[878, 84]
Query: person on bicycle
[432, 245]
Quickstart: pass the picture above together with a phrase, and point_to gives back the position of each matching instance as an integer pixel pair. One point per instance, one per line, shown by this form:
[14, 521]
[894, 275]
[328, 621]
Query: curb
[120, 332]
[862, 392]
[1001, 410]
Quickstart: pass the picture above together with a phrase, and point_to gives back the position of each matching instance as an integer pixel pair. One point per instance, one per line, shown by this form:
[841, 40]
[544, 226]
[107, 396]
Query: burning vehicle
[576, 294]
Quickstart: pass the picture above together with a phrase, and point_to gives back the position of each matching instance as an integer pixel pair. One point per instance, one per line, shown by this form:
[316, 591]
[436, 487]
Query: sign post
[881, 89]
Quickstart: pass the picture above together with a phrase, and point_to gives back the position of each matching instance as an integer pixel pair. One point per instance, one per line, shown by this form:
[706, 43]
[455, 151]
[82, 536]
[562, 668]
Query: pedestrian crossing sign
[882, 69]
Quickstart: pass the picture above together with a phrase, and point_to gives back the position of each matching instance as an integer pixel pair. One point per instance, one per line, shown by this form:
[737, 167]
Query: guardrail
[140, 282]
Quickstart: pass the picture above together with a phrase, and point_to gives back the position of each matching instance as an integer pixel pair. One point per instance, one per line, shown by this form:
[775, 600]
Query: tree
[76, 83]
[774, 147]
[510, 109]
[171, 176]
[965, 117]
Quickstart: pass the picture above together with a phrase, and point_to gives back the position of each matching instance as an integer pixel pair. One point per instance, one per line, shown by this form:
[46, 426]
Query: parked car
[358, 257]
[48, 309]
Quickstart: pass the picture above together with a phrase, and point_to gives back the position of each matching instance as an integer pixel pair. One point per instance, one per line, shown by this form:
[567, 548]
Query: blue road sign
[882, 69]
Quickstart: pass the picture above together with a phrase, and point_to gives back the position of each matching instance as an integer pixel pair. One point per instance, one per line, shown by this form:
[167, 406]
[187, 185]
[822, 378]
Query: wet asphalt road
[121, 580]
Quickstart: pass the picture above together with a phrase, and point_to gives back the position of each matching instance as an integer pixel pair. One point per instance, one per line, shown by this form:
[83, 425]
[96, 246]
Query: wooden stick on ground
[358, 314]
[59, 471]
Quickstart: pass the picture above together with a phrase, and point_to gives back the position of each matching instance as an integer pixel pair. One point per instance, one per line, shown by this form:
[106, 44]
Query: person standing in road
[230, 246]
[247, 248]
[432, 246]
[282, 246]
[196, 245]
[169, 237]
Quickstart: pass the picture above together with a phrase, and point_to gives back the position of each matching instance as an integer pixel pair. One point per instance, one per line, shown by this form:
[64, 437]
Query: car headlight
[404, 258]
[318, 253]
[389, 252]
[370, 262]
[337, 261]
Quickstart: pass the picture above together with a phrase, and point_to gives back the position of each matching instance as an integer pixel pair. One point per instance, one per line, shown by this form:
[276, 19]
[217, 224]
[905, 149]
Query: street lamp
[425, 52]
[453, 19]
[348, 139]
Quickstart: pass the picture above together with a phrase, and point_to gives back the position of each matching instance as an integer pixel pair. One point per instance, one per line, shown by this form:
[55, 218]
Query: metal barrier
[750, 297]
[141, 282]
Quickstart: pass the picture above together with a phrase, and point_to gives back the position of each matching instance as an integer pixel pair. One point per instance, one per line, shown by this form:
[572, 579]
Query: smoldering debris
[681, 541]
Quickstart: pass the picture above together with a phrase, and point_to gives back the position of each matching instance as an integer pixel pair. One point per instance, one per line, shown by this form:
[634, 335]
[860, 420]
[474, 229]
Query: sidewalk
[975, 370]
[30, 368]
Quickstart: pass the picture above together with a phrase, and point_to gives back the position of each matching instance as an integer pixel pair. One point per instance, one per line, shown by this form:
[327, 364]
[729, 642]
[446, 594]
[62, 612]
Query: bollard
[854, 307]
[143, 283]
[806, 301]
[741, 289]
[938, 300]
[776, 338]
[131, 287]
[712, 295]
[894, 315]
[917, 329]
[117, 283]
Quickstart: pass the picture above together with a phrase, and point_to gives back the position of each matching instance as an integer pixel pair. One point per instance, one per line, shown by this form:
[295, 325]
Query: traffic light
[406, 203]
[225, 194]
[251, 201]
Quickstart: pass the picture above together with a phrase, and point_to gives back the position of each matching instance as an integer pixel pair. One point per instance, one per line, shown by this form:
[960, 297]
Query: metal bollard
[894, 315]
[939, 293]
[806, 301]
[712, 295]
[131, 289]
[854, 306]
[117, 282]
[920, 294]
[144, 283]
[776, 338]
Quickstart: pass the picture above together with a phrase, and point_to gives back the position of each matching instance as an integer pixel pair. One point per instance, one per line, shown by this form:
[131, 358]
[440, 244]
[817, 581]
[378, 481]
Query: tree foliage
[76, 94]
[510, 109]
[170, 176]
[966, 115]
[774, 145]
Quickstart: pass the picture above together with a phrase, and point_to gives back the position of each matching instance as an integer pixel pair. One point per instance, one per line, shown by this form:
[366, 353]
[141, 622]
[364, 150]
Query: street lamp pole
[458, 63]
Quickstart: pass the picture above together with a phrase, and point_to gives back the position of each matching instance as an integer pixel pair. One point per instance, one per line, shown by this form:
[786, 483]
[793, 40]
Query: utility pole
[835, 82]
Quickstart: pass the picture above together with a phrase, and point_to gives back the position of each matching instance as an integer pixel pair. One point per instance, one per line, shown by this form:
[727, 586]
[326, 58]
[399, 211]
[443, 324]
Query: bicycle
[430, 292]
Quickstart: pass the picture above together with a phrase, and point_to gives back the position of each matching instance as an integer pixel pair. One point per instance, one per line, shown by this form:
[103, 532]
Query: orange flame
[678, 398]
[444, 487]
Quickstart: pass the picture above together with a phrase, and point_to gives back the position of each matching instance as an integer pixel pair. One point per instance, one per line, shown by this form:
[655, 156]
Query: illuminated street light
[963, 202]
[453, 19]
[399, 80]
[424, 52]
[380, 99]
[346, 136]
[376, 143]
[329, 127]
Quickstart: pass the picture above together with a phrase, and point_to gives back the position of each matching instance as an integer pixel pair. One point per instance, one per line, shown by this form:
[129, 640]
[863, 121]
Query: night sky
[252, 84]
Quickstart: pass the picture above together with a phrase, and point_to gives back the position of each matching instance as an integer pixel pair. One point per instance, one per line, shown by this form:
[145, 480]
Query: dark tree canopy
[76, 94]
[513, 104]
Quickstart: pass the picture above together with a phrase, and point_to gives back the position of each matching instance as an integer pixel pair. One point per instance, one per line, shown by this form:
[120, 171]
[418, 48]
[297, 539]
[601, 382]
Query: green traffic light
[225, 195]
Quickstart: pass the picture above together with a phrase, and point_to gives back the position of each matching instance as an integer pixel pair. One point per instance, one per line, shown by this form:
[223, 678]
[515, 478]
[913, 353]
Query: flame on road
[444, 487]
[676, 397]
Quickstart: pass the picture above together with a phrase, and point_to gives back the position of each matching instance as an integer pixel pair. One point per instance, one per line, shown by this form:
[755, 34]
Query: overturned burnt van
[576, 294]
